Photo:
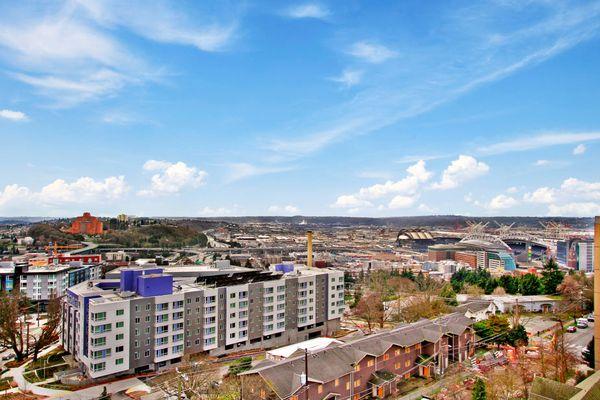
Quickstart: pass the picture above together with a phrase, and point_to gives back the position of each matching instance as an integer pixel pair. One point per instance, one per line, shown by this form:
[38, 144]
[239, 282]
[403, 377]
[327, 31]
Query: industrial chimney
[597, 292]
[309, 260]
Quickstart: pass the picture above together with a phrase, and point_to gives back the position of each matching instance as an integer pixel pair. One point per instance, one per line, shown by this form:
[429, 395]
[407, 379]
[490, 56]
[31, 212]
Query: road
[577, 341]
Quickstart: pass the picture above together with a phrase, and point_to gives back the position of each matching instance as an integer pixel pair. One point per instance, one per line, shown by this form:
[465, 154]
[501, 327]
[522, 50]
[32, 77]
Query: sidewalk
[95, 391]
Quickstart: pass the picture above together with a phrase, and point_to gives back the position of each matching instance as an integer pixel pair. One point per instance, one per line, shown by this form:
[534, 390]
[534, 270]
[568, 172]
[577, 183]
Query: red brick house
[374, 365]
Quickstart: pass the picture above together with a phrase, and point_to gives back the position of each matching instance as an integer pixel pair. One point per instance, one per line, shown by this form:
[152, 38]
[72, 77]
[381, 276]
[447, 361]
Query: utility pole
[597, 292]
[306, 371]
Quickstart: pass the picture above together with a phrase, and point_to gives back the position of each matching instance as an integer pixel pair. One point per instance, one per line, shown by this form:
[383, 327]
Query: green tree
[551, 277]
[517, 336]
[529, 284]
[494, 329]
[479, 392]
[509, 283]
[449, 295]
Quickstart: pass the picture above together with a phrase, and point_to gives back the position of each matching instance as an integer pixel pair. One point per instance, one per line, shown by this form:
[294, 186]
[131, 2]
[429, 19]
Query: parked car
[571, 329]
[8, 357]
[590, 317]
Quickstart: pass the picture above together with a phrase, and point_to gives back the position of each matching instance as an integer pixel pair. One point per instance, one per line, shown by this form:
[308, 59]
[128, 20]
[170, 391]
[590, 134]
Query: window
[147, 319]
[119, 349]
[407, 350]
[348, 385]
[120, 336]
[162, 306]
[136, 355]
[337, 383]
[407, 376]
[386, 357]
[397, 352]
[162, 352]
[357, 383]
[370, 363]
[121, 324]
[357, 367]
[98, 341]
[147, 353]
[136, 343]
[101, 316]
[99, 367]
[320, 389]
[397, 365]
[101, 328]
[137, 308]
[120, 312]
[119, 361]
[418, 346]
[407, 363]
[147, 307]
[178, 304]
[137, 320]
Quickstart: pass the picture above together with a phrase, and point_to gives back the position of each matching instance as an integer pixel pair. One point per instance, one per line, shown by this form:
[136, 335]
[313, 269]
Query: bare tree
[370, 309]
[50, 330]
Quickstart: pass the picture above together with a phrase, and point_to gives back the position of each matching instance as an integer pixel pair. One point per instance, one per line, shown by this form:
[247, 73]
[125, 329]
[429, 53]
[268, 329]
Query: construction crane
[55, 247]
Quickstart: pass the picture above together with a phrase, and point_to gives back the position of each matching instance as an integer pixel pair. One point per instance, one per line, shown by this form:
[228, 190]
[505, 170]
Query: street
[577, 341]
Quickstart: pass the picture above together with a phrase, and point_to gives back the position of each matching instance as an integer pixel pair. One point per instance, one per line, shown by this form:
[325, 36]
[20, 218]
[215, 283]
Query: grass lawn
[55, 357]
[58, 386]
[42, 374]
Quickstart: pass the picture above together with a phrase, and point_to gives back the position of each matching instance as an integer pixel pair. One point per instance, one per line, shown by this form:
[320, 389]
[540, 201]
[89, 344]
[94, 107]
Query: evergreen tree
[529, 284]
[551, 277]
[517, 336]
[448, 295]
[479, 392]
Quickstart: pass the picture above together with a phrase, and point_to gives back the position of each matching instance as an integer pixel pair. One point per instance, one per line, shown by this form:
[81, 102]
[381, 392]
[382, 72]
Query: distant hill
[439, 221]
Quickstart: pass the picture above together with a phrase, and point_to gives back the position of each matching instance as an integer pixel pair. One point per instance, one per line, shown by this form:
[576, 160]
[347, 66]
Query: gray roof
[334, 362]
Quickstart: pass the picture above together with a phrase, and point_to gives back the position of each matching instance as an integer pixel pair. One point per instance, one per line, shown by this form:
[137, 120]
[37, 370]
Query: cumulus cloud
[13, 115]
[403, 189]
[171, 178]
[579, 149]
[61, 194]
[308, 10]
[543, 195]
[371, 52]
[287, 209]
[574, 197]
[461, 170]
[502, 202]
[401, 201]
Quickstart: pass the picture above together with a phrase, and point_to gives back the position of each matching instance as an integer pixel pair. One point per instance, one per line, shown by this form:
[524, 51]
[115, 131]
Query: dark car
[8, 357]
[590, 318]
[571, 329]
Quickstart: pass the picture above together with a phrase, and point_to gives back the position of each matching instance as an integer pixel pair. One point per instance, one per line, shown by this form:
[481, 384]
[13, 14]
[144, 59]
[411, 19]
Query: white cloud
[13, 193]
[349, 77]
[586, 209]
[425, 208]
[288, 209]
[218, 211]
[405, 188]
[238, 171]
[71, 53]
[429, 79]
[82, 190]
[543, 195]
[61, 196]
[309, 10]
[402, 201]
[371, 52]
[574, 197]
[13, 115]
[351, 201]
[531, 142]
[502, 202]
[512, 189]
[541, 163]
[579, 149]
[172, 177]
[461, 170]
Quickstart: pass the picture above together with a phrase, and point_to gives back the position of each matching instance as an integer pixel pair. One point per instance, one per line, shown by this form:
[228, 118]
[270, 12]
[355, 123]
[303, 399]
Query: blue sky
[367, 108]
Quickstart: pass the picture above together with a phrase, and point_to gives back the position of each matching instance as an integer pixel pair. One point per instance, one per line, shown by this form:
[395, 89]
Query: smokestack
[597, 293]
[309, 261]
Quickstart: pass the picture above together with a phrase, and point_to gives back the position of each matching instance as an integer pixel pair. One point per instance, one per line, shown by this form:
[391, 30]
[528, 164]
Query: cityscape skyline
[299, 108]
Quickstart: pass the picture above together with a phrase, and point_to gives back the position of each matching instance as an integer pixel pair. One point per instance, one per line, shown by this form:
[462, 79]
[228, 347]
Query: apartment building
[43, 283]
[374, 366]
[147, 320]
